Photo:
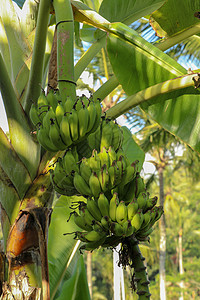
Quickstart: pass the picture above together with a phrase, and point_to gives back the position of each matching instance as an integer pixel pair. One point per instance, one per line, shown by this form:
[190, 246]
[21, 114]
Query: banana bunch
[103, 171]
[63, 123]
[108, 134]
[106, 221]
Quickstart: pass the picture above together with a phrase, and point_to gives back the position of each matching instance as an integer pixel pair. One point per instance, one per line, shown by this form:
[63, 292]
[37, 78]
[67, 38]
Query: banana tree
[149, 77]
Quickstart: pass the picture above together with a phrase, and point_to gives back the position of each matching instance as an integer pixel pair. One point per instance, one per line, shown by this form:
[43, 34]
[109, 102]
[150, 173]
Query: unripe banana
[137, 220]
[111, 241]
[103, 205]
[104, 157]
[132, 209]
[94, 184]
[81, 186]
[90, 246]
[128, 228]
[106, 135]
[65, 131]
[93, 208]
[104, 178]
[34, 115]
[112, 155]
[86, 216]
[80, 222]
[54, 135]
[83, 120]
[142, 200]
[93, 236]
[69, 162]
[59, 113]
[140, 186]
[46, 122]
[44, 140]
[61, 190]
[73, 124]
[114, 202]
[117, 136]
[121, 212]
[129, 175]
[117, 229]
[94, 162]
[105, 222]
[111, 172]
[85, 169]
[85, 100]
[52, 100]
[97, 226]
[68, 105]
[92, 117]
[42, 101]
[151, 202]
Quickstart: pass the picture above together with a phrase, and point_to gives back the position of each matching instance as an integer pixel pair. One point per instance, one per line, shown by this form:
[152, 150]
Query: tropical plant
[149, 77]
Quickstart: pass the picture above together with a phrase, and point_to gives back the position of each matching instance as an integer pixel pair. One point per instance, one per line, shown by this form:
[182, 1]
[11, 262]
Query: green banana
[59, 113]
[93, 208]
[151, 202]
[90, 246]
[44, 140]
[46, 122]
[105, 222]
[117, 136]
[106, 135]
[68, 105]
[69, 162]
[92, 117]
[61, 190]
[112, 154]
[137, 220]
[54, 135]
[103, 204]
[81, 186]
[94, 184]
[65, 131]
[104, 157]
[42, 101]
[94, 162]
[117, 229]
[85, 100]
[140, 186]
[121, 212]
[111, 241]
[142, 200]
[93, 236]
[33, 113]
[114, 202]
[104, 178]
[80, 222]
[73, 124]
[86, 215]
[52, 100]
[83, 121]
[85, 169]
[128, 229]
[132, 208]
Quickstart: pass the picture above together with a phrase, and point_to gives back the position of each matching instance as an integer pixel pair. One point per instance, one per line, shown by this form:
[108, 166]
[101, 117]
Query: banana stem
[106, 88]
[88, 56]
[65, 48]
[36, 72]
[149, 93]
[140, 274]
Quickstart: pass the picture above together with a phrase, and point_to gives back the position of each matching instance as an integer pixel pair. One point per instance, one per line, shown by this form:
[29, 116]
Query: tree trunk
[181, 270]
[162, 226]
[89, 272]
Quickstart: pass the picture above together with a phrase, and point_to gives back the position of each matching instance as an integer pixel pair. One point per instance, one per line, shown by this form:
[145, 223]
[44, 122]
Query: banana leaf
[138, 67]
[62, 249]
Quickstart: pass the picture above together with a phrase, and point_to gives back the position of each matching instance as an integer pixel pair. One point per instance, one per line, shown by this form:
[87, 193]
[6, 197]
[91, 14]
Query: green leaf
[26, 148]
[13, 166]
[9, 197]
[60, 247]
[175, 16]
[18, 46]
[136, 63]
[76, 288]
[131, 148]
[128, 11]
[28, 17]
